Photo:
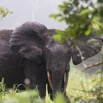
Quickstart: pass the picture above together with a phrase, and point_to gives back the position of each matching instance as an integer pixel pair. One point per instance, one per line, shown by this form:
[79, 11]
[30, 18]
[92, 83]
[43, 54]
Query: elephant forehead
[58, 49]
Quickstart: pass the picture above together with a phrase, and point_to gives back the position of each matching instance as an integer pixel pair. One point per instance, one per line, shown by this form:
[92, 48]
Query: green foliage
[22, 97]
[4, 12]
[87, 89]
[95, 93]
[60, 99]
[81, 16]
[81, 88]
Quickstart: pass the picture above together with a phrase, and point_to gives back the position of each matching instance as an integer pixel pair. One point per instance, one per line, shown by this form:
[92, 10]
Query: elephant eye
[46, 50]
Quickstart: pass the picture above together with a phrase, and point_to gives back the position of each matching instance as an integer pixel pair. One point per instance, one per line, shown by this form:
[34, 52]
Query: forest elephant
[30, 52]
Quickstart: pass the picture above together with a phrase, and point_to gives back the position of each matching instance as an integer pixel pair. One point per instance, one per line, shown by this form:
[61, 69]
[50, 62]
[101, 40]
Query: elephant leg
[42, 89]
[36, 74]
[42, 80]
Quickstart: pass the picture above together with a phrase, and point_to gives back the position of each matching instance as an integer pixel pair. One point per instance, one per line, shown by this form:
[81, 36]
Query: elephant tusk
[66, 80]
[49, 79]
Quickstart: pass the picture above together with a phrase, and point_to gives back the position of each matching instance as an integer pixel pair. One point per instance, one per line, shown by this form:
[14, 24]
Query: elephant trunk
[56, 81]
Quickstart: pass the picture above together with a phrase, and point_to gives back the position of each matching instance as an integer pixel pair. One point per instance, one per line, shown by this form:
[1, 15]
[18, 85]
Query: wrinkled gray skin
[29, 52]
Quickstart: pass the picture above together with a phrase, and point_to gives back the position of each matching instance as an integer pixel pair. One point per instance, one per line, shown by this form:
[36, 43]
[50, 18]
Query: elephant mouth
[64, 81]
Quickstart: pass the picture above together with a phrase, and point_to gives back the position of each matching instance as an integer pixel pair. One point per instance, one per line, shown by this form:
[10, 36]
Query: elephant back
[4, 44]
[5, 36]
[9, 61]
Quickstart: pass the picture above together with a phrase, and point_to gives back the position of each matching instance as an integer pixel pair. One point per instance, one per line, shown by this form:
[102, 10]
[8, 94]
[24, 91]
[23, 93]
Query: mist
[30, 10]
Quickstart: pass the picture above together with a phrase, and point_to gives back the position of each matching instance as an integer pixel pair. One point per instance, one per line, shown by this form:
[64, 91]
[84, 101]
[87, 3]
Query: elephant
[30, 53]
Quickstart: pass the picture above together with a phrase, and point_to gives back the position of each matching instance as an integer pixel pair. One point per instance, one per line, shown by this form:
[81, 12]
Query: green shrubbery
[82, 17]
[86, 89]
[82, 88]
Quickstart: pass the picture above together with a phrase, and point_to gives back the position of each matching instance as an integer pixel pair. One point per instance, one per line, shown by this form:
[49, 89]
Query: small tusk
[66, 79]
[49, 79]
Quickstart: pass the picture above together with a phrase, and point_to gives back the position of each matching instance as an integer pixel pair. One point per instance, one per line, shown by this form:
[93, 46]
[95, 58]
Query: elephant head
[33, 41]
[57, 58]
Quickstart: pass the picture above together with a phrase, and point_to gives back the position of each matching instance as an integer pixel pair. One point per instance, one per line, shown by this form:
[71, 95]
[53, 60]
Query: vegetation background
[82, 18]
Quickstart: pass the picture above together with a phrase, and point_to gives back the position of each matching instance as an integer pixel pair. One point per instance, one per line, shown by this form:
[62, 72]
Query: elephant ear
[91, 45]
[27, 40]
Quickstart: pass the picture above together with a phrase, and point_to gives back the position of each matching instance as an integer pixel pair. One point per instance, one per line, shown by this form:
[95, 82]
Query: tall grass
[81, 88]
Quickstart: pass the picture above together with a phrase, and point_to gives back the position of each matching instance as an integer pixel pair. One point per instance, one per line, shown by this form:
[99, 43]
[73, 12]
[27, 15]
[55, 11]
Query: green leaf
[53, 16]
[87, 32]
[57, 37]
[84, 12]
[4, 12]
